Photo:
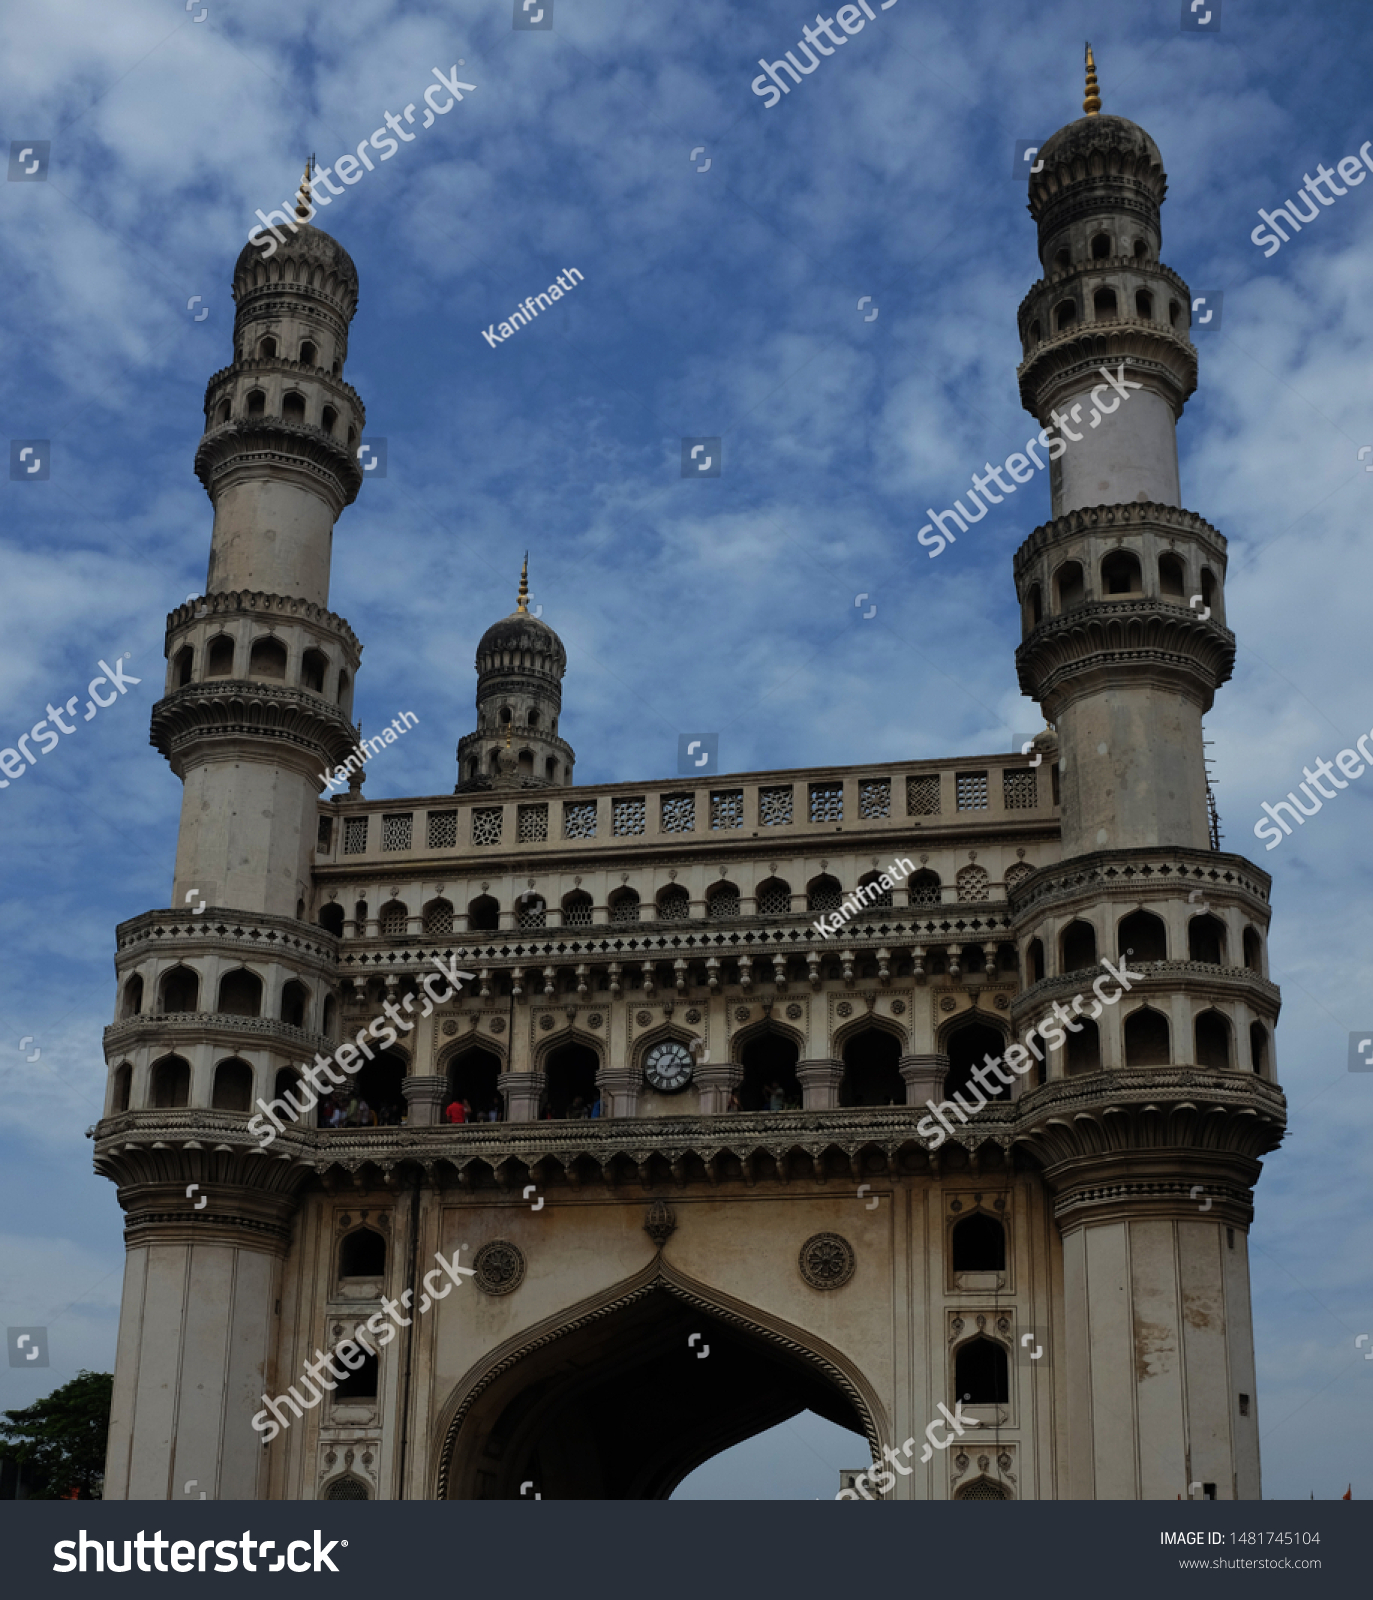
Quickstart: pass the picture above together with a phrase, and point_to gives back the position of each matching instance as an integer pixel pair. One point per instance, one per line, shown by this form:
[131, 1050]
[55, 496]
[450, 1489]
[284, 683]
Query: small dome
[520, 632]
[1089, 135]
[306, 244]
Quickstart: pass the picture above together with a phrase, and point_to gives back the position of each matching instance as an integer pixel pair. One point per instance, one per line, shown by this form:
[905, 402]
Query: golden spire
[303, 196]
[522, 599]
[1092, 104]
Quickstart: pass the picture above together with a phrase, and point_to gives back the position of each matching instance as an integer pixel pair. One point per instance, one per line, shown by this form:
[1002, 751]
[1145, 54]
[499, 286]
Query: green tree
[59, 1441]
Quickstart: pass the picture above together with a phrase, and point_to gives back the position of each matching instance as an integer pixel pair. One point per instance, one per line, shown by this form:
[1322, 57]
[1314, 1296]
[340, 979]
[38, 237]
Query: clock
[668, 1066]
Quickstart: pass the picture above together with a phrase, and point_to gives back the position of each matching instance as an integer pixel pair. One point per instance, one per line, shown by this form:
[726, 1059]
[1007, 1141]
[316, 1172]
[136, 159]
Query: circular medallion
[827, 1261]
[499, 1267]
[1002, 1001]
[693, 1015]
[898, 1008]
[794, 1012]
[741, 1014]
[668, 1066]
[498, 1024]
[844, 1008]
[450, 1027]
[545, 1022]
[643, 1018]
[594, 1020]
[947, 1003]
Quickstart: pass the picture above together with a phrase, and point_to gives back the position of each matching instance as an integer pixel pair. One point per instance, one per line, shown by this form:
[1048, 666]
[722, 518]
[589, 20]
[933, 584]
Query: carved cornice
[236, 1199]
[1119, 522]
[262, 607]
[1199, 980]
[1126, 874]
[177, 1029]
[267, 936]
[1061, 277]
[260, 366]
[258, 445]
[1070, 361]
[221, 710]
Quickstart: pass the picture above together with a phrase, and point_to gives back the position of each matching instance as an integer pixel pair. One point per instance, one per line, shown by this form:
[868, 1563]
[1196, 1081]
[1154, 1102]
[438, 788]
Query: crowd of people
[460, 1111]
[352, 1111]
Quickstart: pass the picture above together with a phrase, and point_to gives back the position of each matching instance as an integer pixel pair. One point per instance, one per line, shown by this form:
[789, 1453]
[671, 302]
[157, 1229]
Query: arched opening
[1036, 332]
[1069, 587]
[550, 770]
[1147, 1039]
[295, 998]
[331, 918]
[674, 904]
[981, 1373]
[1101, 247]
[179, 990]
[182, 666]
[219, 661]
[525, 762]
[1082, 1050]
[132, 1004]
[224, 412]
[472, 1078]
[978, 1244]
[393, 919]
[1065, 315]
[380, 1094]
[343, 682]
[624, 905]
[1206, 940]
[982, 1488]
[1034, 960]
[924, 888]
[484, 914]
[330, 1023]
[293, 407]
[1258, 1048]
[233, 1089]
[240, 994]
[1253, 950]
[438, 916]
[872, 1070]
[577, 909]
[968, 1047]
[170, 1082]
[1144, 936]
[1078, 946]
[1141, 249]
[1208, 588]
[722, 901]
[267, 659]
[770, 1082]
[532, 911]
[570, 1081]
[358, 1385]
[870, 885]
[266, 349]
[347, 1488]
[313, 666]
[1120, 573]
[362, 1254]
[1172, 575]
[1212, 1033]
[1104, 303]
[1063, 260]
[824, 894]
[772, 898]
[257, 403]
[1174, 311]
[1034, 605]
[328, 419]
[123, 1087]
[659, 1412]
[308, 356]
[534, 719]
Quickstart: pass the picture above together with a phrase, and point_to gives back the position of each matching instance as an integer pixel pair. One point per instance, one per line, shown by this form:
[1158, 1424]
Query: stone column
[619, 1087]
[924, 1076]
[424, 1096]
[521, 1091]
[714, 1085]
[820, 1082]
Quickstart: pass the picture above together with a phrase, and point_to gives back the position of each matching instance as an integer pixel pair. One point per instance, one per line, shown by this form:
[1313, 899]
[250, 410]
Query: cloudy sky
[725, 247]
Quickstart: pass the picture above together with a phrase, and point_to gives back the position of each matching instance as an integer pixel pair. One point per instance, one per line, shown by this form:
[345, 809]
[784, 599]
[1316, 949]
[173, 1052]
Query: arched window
[1144, 936]
[347, 1487]
[473, 1076]
[1212, 1031]
[1062, 261]
[267, 349]
[674, 904]
[872, 1070]
[1209, 597]
[484, 914]
[968, 1047]
[182, 666]
[438, 916]
[313, 666]
[380, 1089]
[1082, 1050]
[133, 998]
[180, 990]
[770, 1081]
[525, 762]
[978, 1244]
[393, 919]
[171, 1082]
[1104, 303]
[295, 999]
[981, 1489]
[219, 663]
[1036, 333]
[1034, 605]
[123, 1087]
[362, 1254]
[624, 905]
[533, 719]
[1120, 573]
[974, 885]
[328, 419]
[233, 1090]
[288, 1083]
[1035, 960]
[577, 909]
[331, 918]
[267, 659]
[873, 892]
[531, 911]
[224, 412]
[1173, 311]
[1258, 1048]
[824, 894]
[330, 1017]
[1078, 946]
[1253, 950]
[1101, 247]
[293, 407]
[1147, 1039]
[308, 356]
[1069, 587]
[1144, 305]
[773, 898]
[722, 901]
[550, 770]
[257, 403]
[343, 682]
[924, 888]
[1206, 940]
[1065, 315]
[1141, 249]
[1172, 576]
[570, 1081]
[240, 994]
[981, 1376]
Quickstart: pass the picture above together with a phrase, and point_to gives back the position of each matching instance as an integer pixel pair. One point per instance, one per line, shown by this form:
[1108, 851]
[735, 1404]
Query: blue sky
[718, 302]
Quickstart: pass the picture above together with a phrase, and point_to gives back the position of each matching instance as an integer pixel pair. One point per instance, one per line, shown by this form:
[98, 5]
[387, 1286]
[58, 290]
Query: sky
[732, 256]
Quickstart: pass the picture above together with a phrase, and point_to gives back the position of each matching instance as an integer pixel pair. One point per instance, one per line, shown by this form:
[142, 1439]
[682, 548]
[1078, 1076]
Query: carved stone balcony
[1125, 875]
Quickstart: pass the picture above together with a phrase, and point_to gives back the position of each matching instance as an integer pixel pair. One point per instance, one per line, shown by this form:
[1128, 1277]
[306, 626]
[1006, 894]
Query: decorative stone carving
[947, 1002]
[546, 1022]
[450, 1027]
[741, 1014]
[499, 1267]
[498, 1024]
[595, 1020]
[898, 1008]
[794, 1012]
[643, 1018]
[693, 1015]
[844, 1008]
[827, 1261]
[660, 1223]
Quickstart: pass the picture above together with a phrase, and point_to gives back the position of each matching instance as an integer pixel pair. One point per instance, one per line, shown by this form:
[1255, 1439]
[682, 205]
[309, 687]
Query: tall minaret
[1149, 1122]
[233, 987]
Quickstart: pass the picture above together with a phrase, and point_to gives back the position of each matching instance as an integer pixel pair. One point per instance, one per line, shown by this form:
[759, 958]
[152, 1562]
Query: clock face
[668, 1066]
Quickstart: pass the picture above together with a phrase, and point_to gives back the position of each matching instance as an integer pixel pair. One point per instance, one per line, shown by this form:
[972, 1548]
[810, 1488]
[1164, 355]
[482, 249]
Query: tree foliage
[59, 1440]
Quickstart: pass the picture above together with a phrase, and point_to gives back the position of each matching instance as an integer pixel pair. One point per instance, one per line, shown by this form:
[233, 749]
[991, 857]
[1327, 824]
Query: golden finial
[1092, 104]
[522, 599]
[303, 207]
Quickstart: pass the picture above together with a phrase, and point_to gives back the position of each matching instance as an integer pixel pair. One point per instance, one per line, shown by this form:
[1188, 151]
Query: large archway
[620, 1405]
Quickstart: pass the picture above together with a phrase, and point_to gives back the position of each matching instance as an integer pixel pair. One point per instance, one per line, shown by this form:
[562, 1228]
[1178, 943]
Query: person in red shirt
[456, 1112]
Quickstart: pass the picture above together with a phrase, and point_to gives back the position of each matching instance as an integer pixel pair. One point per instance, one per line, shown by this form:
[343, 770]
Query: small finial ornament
[522, 599]
[1092, 104]
[304, 210]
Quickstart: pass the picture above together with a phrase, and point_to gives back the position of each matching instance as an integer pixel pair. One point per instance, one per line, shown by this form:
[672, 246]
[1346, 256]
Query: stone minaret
[1154, 1113]
[232, 986]
[520, 666]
